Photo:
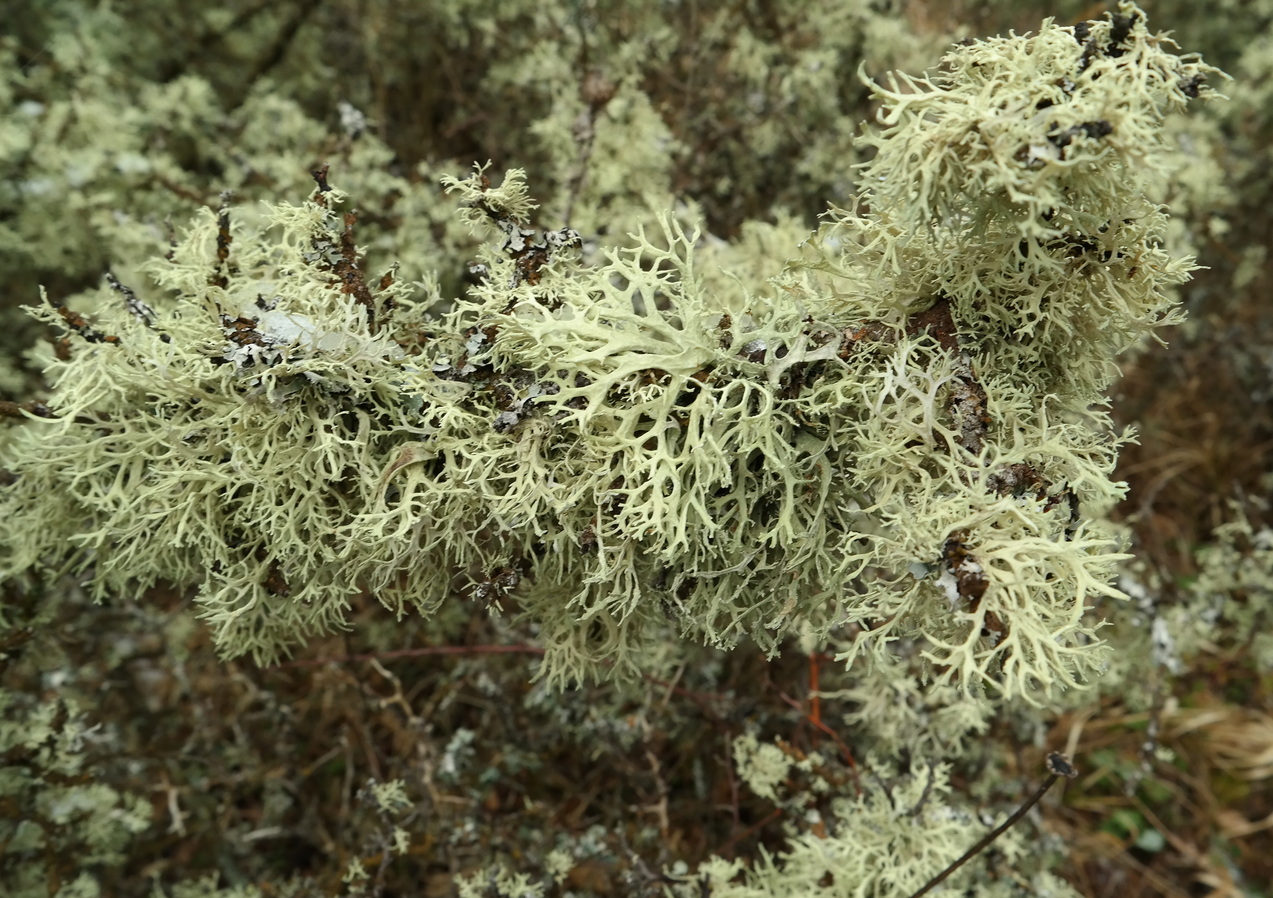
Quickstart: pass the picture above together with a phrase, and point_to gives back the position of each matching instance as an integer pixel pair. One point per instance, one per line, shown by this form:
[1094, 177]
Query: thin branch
[412, 653]
[1058, 766]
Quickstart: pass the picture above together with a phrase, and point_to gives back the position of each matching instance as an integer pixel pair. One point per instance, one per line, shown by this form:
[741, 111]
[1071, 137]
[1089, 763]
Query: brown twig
[36, 407]
[412, 653]
[1058, 766]
[729, 846]
[844, 748]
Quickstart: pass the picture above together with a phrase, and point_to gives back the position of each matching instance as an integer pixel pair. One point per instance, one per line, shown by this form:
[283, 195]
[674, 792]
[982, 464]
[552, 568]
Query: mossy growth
[899, 437]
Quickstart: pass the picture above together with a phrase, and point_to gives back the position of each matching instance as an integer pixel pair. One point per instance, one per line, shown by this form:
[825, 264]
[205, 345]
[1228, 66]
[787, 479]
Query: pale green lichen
[892, 447]
[899, 831]
[59, 820]
[1234, 590]
[766, 766]
[893, 711]
[900, 434]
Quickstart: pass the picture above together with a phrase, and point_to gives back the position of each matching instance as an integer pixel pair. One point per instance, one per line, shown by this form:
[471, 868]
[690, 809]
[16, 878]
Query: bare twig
[412, 653]
[1058, 766]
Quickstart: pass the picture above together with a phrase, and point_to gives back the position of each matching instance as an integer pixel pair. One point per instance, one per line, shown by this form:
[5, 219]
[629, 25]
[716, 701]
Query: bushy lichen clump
[62, 825]
[899, 830]
[896, 435]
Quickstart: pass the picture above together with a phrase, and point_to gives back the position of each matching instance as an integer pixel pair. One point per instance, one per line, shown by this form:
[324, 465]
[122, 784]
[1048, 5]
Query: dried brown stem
[1058, 766]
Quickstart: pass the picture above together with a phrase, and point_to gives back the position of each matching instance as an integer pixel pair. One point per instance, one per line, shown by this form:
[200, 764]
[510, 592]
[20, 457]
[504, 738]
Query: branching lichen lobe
[599, 441]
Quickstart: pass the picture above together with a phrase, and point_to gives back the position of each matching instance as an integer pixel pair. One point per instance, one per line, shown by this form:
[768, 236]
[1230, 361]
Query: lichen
[902, 435]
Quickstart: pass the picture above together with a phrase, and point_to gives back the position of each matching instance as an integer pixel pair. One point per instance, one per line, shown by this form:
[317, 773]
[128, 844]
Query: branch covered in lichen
[894, 439]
